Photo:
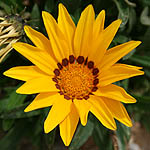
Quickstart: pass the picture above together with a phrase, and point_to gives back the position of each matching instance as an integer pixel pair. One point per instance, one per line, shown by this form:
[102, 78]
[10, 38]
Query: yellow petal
[118, 72]
[83, 108]
[55, 36]
[45, 62]
[103, 41]
[39, 40]
[84, 32]
[101, 111]
[97, 53]
[68, 126]
[24, 73]
[116, 93]
[116, 53]
[42, 100]
[38, 85]
[59, 111]
[118, 111]
[67, 26]
[99, 23]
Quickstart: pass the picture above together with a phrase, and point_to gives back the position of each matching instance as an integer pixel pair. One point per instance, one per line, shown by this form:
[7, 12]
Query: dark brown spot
[55, 80]
[71, 59]
[57, 72]
[86, 97]
[80, 59]
[94, 89]
[66, 97]
[90, 64]
[79, 98]
[59, 66]
[61, 93]
[91, 93]
[95, 71]
[57, 86]
[86, 60]
[65, 62]
[96, 81]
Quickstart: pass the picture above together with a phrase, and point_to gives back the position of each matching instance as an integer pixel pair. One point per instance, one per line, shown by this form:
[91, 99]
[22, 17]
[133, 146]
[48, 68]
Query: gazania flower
[74, 72]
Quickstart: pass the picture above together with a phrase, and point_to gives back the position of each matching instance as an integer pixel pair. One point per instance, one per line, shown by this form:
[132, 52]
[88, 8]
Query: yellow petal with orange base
[118, 72]
[116, 93]
[38, 85]
[83, 108]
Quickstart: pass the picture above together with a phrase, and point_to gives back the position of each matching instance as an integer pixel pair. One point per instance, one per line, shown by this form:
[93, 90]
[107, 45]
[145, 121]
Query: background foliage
[24, 131]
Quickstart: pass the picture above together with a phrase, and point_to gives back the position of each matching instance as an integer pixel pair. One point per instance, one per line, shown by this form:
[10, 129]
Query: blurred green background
[24, 131]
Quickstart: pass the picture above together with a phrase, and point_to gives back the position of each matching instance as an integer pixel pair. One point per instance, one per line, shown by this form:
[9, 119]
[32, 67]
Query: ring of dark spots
[59, 66]
[95, 71]
[90, 64]
[71, 59]
[66, 97]
[80, 59]
[86, 97]
[57, 72]
[55, 80]
[65, 62]
[57, 86]
[94, 89]
[86, 60]
[96, 81]
[61, 93]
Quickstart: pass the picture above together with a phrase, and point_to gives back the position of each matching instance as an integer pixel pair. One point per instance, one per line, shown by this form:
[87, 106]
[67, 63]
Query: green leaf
[132, 19]
[144, 18]
[120, 39]
[123, 135]
[6, 7]
[81, 136]
[143, 60]
[50, 139]
[145, 2]
[142, 99]
[129, 54]
[11, 139]
[19, 113]
[72, 5]
[15, 100]
[123, 9]
[7, 124]
[3, 104]
[35, 16]
[49, 5]
[102, 136]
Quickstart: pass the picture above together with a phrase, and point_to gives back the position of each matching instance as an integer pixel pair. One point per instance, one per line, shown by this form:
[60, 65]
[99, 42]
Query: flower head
[73, 71]
[10, 32]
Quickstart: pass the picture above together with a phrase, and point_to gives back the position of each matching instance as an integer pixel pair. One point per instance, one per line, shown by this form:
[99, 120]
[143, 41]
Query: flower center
[76, 78]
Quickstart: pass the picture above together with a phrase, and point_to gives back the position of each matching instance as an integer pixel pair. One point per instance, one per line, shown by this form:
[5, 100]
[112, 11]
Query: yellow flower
[73, 71]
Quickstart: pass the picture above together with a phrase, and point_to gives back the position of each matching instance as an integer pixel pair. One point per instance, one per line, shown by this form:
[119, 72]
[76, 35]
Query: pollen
[75, 78]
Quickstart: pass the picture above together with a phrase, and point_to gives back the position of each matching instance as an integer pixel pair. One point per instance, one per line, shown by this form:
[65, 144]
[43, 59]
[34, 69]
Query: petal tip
[5, 73]
[44, 13]
[103, 12]
[27, 109]
[60, 5]
[46, 129]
